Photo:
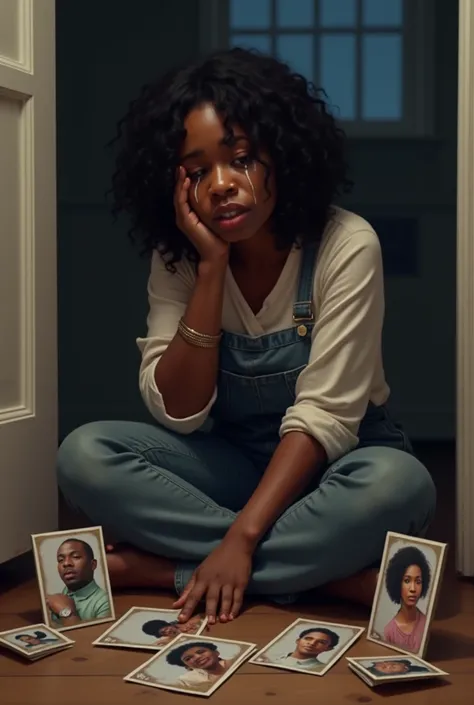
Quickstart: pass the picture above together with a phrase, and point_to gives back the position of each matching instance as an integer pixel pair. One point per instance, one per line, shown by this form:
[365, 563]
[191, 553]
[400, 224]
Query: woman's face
[200, 657]
[412, 585]
[227, 190]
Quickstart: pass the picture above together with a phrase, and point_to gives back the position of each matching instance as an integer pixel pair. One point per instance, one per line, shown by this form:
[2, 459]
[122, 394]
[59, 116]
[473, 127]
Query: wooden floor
[87, 675]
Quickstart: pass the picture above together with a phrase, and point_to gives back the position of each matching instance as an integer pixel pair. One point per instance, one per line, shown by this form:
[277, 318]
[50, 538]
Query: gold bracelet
[200, 340]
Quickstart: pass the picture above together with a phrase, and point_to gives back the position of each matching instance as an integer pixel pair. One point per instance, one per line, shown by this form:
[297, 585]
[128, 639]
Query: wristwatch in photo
[64, 613]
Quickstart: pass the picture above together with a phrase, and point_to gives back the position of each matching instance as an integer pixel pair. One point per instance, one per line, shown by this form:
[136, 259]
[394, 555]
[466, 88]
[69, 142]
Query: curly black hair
[175, 656]
[397, 567]
[280, 112]
[328, 632]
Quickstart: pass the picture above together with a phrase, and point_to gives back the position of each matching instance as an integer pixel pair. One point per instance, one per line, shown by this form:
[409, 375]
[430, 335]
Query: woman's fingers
[237, 603]
[184, 595]
[226, 604]
[212, 602]
[192, 601]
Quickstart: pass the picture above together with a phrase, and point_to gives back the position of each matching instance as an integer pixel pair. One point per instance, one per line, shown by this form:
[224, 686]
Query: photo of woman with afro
[270, 464]
[407, 581]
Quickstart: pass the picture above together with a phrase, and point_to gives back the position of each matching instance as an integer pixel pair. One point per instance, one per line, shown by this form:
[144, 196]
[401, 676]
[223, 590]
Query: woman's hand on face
[220, 580]
[210, 247]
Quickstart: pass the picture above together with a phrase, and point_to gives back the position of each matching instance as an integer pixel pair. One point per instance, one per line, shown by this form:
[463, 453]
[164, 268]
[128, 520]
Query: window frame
[418, 69]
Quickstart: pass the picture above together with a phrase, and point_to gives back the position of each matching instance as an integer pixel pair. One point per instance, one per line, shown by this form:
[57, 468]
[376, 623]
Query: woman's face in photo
[412, 585]
[200, 657]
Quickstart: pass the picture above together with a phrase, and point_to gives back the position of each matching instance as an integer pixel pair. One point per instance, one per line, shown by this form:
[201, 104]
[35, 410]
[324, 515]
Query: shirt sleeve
[333, 391]
[168, 296]
[102, 608]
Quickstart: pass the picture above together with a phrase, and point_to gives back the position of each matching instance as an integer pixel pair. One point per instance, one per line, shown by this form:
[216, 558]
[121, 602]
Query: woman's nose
[222, 182]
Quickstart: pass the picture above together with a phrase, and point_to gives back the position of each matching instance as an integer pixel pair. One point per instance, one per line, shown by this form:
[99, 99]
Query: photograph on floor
[308, 646]
[383, 669]
[34, 641]
[407, 592]
[73, 579]
[149, 628]
[196, 666]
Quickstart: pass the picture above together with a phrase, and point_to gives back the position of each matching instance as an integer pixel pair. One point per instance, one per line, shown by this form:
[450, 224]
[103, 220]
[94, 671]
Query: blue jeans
[176, 496]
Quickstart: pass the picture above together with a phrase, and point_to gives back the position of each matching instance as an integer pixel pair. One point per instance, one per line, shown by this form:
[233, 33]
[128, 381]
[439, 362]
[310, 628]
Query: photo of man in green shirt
[82, 599]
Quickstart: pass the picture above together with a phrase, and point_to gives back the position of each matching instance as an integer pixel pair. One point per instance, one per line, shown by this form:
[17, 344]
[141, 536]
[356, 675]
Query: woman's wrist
[213, 269]
[247, 539]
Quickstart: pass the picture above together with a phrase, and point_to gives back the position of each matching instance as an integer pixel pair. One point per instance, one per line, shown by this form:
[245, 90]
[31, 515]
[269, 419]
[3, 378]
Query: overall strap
[303, 306]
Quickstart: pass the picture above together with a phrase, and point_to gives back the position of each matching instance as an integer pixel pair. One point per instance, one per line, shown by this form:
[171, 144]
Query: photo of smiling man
[73, 578]
[308, 646]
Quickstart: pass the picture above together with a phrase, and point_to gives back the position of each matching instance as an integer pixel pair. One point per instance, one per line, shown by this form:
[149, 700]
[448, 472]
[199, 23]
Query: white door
[28, 350]
[465, 294]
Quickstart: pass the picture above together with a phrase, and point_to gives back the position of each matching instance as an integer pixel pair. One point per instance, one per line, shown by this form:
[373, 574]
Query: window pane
[295, 14]
[382, 13]
[338, 73]
[261, 42]
[297, 50]
[249, 14]
[382, 97]
[338, 13]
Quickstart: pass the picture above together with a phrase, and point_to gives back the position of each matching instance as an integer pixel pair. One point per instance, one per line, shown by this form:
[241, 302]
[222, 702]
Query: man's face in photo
[75, 567]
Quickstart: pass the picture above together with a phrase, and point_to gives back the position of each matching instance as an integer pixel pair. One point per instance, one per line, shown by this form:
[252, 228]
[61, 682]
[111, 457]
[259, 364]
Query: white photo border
[41, 578]
[391, 537]
[146, 647]
[65, 642]
[361, 675]
[131, 677]
[358, 631]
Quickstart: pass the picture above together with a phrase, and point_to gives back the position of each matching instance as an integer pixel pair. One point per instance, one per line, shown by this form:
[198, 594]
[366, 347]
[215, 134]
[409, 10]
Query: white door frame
[465, 294]
[28, 274]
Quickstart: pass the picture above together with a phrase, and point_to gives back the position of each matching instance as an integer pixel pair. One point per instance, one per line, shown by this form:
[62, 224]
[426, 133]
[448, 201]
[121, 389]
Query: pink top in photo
[411, 642]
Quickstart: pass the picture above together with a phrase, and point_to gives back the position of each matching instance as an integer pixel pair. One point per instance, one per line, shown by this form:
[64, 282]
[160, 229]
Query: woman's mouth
[230, 217]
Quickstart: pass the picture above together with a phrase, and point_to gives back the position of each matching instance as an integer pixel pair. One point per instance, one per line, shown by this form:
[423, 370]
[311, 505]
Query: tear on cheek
[196, 187]
[250, 181]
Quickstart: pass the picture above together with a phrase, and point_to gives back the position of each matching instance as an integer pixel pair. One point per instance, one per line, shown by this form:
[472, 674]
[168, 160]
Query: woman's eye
[195, 175]
[243, 161]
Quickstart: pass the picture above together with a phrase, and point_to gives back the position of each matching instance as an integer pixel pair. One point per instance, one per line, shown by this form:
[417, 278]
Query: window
[372, 57]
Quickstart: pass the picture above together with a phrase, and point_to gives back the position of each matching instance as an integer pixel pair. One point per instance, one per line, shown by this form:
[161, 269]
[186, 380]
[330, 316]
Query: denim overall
[257, 379]
[177, 496]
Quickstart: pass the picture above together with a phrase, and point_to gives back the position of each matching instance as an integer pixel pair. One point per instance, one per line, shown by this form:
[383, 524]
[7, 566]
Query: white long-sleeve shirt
[345, 368]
